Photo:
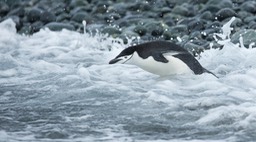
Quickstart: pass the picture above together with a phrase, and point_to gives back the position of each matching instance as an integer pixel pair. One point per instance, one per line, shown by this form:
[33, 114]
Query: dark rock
[13, 3]
[193, 48]
[120, 8]
[202, 43]
[195, 25]
[63, 17]
[113, 31]
[249, 36]
[214, 25]
[159, 3]
[102, 7]
[47, 17]
[249, 19]
[127, 34]
[153, 15]
[181, 10]
[34, 14]
[210, 8]
[185, 21]
[225, 13]
[196, 35]
[238, 1]
[238, 23]
[141, 30]
[169, 22]
[26, 29]
[174, 17]
[171, 3]
[44, 5]
[165, 10]
[167, 35]
[100, 18]
[208, 34]
[79, 17]
[252, 25]
[175, 2]
[111, 17]
[209, 31]
[35, 27]
[147, 37]
[249, 6]
[54, 134]
[77, 26]
[220, 3]
[139, 6]
[56, 26]
[243, 14]
[4, 8]
[156, 29]
[131, 20]
[17, 22]
[20, 11]
[207, 15]
[78, 10]
[78, 3]
[59, 8]
[215, 5]
[179, 31]
[184, 39]
[198, 1]
[123, 22]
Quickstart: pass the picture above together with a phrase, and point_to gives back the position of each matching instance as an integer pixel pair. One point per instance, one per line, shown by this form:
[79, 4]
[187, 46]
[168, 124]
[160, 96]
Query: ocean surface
[59, 87]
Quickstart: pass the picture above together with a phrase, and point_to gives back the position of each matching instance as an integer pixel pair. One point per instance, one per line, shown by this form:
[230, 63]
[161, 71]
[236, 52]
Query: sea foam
[53, 76]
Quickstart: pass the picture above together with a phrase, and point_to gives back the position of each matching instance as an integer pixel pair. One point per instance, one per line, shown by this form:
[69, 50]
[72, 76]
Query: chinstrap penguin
[162, 58]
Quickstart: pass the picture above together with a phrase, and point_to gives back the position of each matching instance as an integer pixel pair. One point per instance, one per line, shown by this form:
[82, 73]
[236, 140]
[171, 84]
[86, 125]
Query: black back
[156, 49]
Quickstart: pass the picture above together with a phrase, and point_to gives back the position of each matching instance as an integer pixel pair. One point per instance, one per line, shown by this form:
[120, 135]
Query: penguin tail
[206, 71]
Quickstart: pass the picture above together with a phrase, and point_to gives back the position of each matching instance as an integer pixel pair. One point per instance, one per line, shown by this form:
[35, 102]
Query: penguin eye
[125, 57]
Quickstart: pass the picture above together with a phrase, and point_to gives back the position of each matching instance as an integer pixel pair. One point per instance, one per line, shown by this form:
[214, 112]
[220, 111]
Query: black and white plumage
[161, 58]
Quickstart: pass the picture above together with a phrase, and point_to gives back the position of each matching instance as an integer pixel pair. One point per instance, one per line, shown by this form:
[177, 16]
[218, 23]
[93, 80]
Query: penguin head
[124, 56]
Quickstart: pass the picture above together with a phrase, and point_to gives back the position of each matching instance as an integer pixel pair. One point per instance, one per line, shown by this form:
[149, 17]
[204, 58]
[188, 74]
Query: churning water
[58, 86]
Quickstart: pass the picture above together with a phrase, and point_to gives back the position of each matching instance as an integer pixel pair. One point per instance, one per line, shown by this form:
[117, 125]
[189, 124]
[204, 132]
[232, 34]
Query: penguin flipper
[159, 57]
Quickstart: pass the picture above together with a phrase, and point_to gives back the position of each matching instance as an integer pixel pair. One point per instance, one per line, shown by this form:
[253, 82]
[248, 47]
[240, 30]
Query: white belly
[174, 66]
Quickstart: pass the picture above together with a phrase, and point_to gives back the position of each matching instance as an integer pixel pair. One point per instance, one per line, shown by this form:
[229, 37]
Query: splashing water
[225, 36]
[84, 24]
[57, 86]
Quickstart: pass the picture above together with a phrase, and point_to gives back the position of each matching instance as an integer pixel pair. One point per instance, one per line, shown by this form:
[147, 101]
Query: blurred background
[194, 21]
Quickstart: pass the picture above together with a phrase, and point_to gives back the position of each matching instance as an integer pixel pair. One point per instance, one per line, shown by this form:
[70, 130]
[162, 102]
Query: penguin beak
[114, 61]
[121, 60]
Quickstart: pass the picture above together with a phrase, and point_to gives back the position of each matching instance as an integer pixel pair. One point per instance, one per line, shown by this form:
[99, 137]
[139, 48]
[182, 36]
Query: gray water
[57, 86]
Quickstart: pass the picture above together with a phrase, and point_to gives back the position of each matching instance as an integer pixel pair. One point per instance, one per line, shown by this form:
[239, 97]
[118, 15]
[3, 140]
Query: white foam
[83, 72]
[80, 62]
[8, 73]
[45, 66]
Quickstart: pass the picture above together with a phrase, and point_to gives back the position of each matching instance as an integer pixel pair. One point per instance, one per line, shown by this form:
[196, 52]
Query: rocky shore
[194, 21]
